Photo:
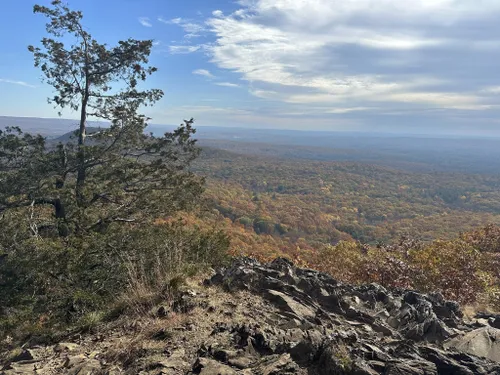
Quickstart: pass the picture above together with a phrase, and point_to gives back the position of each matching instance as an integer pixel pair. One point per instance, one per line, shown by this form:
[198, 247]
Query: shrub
[65, 279]
[455, 268]
[485, 239]
[451, 267]
[343, 261]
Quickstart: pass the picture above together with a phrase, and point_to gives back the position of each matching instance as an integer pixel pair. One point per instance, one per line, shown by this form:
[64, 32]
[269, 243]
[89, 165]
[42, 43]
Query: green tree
[82, 75]
[74, 214]
[113, 174]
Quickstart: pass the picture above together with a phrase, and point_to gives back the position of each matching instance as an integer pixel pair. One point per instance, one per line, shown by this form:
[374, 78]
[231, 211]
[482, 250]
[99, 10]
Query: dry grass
[150, 281]
[125, 352]
[146, 341]
[471, 311]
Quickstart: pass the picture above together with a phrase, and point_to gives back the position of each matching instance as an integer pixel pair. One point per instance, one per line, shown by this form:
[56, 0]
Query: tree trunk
[80, 180]
[60, 213]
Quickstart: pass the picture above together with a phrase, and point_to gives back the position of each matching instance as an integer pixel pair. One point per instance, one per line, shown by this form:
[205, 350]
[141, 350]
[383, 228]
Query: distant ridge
[49, 127]
[72, 137]
[59, 127]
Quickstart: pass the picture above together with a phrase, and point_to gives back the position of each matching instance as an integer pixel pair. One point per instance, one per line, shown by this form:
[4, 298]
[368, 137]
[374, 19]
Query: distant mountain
[48, 127]
[452, 153]
[72, 137]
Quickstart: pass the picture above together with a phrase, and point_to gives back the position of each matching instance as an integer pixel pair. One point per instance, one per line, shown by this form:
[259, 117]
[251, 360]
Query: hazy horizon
[49, 126]
[426, 67]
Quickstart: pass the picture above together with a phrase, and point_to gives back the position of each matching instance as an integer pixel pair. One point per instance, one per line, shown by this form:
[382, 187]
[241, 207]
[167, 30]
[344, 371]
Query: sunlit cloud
[227, 84]
[191, 28]
[145, 21]
[183, 49]
[358, 55]
[204, 73]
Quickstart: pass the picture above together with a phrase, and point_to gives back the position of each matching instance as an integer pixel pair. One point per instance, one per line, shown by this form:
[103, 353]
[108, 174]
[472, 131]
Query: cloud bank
[360, 56]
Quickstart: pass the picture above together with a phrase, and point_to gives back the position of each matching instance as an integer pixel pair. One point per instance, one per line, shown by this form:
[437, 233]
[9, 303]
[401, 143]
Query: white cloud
[233, 116]
[210, 109]
[297, 51]
[175, 21]
[204, 73]
[192, 29]
[145, 21]
[183, 49]
[358, 57]
[14, 82]
[264, 94]
[227, 84]
[439, 99]
[349, 109]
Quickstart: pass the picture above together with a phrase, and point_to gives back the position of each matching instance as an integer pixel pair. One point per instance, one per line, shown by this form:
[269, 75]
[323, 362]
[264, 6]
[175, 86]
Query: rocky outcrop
[272, 319]
[332, 328]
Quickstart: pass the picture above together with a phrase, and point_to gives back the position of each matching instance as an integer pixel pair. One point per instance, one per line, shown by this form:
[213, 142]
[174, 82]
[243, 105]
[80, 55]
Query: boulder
[483, 342]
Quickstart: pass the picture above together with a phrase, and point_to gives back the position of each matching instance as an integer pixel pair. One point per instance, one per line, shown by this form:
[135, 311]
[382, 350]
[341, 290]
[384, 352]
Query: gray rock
[277, 365]
[333, 328]
[23, 355]
[90, 367]
[482, 342]
[309, 324]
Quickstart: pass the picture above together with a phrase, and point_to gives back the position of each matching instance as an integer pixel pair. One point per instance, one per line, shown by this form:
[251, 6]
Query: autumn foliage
[454, 268]
[463, 269]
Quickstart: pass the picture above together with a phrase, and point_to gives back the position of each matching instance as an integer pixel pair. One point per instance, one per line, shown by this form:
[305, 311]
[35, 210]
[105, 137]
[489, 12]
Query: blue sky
[422, 66]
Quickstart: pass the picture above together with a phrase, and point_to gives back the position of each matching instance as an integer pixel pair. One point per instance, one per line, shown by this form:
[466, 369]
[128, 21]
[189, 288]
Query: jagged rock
[341, 329]
[308, 350]
[242, 362]
[277, 365]
[285, 320]
[289, 305]
[411, 368]
[89, 367]
[176, 362]
[19, 368]
[75, 360]
[494, 322]
[23, 355]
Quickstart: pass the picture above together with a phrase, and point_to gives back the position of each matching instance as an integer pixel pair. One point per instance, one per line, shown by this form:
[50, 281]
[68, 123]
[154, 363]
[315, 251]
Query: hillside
[276, 319]
[324, 202]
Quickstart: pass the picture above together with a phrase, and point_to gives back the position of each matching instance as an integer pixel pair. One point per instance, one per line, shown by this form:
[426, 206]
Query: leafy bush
[485, 239]
[452, 267]
[455, 268]
[343, 261]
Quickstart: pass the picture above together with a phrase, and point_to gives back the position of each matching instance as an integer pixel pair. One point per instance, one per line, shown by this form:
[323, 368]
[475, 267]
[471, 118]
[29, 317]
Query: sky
[421, 66]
